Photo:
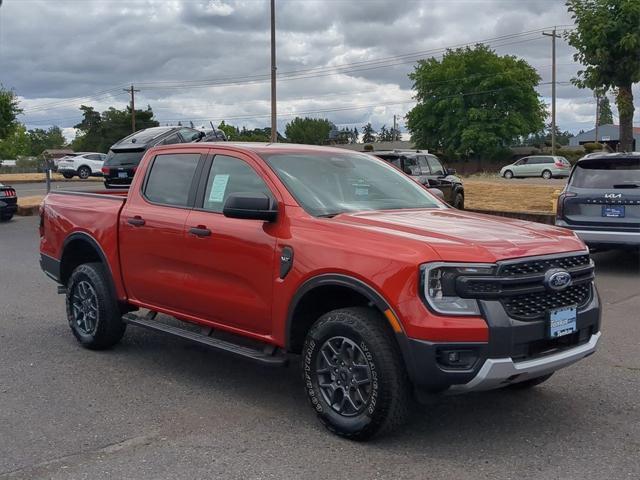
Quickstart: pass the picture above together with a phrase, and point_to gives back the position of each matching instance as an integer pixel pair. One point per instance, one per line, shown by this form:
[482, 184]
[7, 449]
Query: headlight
[439, 286]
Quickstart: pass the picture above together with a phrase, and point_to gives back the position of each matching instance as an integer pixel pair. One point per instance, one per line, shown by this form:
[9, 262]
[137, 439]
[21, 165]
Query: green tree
[607, 38]
[229, 130]
[605, 115]
[41, 139]
[368, 134]
[310, 131]
[474, 101]
[16, 144]
[9, 111]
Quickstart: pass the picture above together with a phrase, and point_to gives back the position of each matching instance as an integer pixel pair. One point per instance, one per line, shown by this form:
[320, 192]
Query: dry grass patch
[510, 198]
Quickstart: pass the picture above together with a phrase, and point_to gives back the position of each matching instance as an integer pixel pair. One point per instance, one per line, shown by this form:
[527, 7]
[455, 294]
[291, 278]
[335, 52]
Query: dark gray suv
[427, 169]
[601, 201]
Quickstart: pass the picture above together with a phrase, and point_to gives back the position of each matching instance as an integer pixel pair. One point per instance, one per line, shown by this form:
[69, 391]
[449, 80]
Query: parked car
[125, 155]
[8, 202]
[278, 250]
[84, 165]
[601, 202]
[427, 169]
[544, 166]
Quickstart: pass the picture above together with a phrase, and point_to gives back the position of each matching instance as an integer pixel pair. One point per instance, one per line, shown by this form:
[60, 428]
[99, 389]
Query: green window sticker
[218, 187]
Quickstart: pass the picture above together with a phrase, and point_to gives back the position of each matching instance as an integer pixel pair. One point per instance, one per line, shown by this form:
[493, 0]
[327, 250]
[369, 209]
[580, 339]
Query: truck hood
[462, 236]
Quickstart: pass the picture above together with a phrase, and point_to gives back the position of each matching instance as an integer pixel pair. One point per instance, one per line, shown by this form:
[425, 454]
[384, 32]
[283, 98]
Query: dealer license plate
[562, 321]
[613, 211]
[123, 174]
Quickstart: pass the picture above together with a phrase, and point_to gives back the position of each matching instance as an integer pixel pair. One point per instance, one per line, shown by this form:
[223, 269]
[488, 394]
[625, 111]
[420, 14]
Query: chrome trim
[500, 372]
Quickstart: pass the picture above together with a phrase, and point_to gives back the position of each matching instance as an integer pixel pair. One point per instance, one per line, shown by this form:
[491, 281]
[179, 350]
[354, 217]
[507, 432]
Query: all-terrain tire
[458, 201]
[92, 308]
[532, 382]
[383, 403]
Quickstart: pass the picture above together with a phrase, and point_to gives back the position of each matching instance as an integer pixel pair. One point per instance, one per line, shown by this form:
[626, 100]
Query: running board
[267, 357]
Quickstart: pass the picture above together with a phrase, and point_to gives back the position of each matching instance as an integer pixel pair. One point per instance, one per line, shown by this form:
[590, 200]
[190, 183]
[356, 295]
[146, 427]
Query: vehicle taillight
[105, 170]
[559, 164]
[560, 205]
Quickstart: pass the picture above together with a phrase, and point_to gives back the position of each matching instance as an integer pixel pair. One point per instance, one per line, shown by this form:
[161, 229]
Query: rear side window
[231, 175]
[169, 180]
[607, 173]
[123, 158]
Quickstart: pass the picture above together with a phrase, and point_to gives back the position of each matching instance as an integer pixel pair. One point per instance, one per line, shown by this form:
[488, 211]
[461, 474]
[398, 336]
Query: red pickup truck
[383, 290]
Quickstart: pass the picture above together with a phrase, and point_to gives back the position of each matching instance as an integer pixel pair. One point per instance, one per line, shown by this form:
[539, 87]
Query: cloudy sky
[201, 60]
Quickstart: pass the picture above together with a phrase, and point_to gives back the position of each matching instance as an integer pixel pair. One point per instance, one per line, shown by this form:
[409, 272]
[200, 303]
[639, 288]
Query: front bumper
[516, 351]
[499, 372]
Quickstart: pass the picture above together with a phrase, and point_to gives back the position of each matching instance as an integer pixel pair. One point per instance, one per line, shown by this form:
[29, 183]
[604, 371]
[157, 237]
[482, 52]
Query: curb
[28, 210]
[539, 217]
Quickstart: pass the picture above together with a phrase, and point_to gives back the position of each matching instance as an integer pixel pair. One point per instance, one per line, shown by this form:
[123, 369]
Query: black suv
[124, 156]
[427, 169]
[601, 201]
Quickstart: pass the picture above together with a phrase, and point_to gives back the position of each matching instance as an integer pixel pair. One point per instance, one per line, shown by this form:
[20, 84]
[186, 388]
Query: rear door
[604, 192]
[231, 270]
[152, 250]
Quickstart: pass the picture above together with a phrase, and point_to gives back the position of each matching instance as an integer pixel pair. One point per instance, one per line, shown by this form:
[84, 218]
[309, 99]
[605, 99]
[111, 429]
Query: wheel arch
[79, 248]
[327, 292]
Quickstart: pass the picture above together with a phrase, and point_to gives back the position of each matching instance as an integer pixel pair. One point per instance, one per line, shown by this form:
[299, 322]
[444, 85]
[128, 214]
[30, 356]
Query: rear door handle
[200, 231]
[136, 221]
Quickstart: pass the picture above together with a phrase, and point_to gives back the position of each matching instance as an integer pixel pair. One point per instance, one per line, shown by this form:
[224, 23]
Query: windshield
[123, 158]
[326, 184]
[607, 173]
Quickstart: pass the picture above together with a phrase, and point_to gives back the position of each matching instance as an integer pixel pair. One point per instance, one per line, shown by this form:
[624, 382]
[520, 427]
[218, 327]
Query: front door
[437, 178]
[232, 261]
[152, 230]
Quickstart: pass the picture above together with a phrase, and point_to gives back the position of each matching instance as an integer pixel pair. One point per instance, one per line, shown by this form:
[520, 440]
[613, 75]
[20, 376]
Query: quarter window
[231, 175]
[170, 178]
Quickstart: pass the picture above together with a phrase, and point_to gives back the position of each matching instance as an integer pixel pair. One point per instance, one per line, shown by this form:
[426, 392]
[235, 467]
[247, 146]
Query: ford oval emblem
[557, 279]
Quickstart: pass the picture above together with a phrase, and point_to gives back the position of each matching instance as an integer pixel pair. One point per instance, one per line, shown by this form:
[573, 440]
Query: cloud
[58, 55]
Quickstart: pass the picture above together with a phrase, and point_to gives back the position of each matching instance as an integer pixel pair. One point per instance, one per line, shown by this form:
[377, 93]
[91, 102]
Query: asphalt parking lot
[157, 407]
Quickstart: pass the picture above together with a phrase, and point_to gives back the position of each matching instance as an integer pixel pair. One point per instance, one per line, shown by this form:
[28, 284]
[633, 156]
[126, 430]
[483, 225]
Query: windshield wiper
[626, 185]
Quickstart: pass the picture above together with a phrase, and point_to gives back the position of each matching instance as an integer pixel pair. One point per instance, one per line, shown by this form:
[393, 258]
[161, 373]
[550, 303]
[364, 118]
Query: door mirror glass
[250, 206]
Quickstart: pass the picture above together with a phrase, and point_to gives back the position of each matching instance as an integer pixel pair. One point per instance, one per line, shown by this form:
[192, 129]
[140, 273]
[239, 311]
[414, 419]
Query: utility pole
[274, 123]
[395, 132]
[132, 92]
[553, 36]
[597, 114]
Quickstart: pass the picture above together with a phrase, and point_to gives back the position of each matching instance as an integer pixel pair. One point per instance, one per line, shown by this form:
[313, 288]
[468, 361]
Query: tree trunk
[624, 101]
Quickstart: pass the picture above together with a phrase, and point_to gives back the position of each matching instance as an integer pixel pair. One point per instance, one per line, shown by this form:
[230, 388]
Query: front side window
[169, 180]
[436, 166]
[328, 183]
[411, 166]
[189, 134]
[171, 140]
[607, 173]
[231, 175]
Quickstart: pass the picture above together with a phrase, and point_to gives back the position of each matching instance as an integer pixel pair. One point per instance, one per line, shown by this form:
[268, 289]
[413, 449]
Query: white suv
[84, 165]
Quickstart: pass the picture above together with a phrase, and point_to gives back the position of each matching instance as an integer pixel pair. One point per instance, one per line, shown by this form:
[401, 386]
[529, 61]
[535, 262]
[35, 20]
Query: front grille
[543, 264]
[532, 306]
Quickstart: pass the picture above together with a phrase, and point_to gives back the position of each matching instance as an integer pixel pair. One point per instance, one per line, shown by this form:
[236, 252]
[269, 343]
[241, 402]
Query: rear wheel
[532, 382]
[84, 172]
[508, 174]
[67, 175]
[92, 309]
[354, 375]
[546, 174]
[6, 217]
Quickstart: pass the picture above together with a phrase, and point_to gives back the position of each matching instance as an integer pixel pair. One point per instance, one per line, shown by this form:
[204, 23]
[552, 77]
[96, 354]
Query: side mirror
[196, 137]
[250, 206]
[451, 171]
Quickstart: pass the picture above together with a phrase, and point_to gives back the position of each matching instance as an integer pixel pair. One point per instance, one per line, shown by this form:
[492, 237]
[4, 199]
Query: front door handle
[200, 231]
[136, 221]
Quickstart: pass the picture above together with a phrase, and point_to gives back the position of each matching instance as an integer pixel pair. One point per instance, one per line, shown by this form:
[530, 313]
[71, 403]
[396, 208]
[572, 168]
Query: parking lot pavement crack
[32, 471]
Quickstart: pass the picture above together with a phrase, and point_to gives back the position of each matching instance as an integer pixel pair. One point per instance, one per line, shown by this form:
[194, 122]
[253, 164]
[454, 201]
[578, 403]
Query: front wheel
[67, 175]
[84, 173]
[92, 308]
[546, 175]
[354, 375]
[508, 175]
[458, 201]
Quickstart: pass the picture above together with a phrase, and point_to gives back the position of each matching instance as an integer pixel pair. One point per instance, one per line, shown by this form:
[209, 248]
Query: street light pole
[274, 123]
[553, 36]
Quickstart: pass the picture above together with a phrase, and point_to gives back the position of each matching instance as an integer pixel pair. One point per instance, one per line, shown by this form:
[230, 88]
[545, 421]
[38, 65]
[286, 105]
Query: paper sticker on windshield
[218, 188]
[362, 191]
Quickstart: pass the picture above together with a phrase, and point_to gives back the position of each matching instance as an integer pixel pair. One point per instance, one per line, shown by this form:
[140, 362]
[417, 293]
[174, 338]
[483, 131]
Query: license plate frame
[613, 211]
[562, 321]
